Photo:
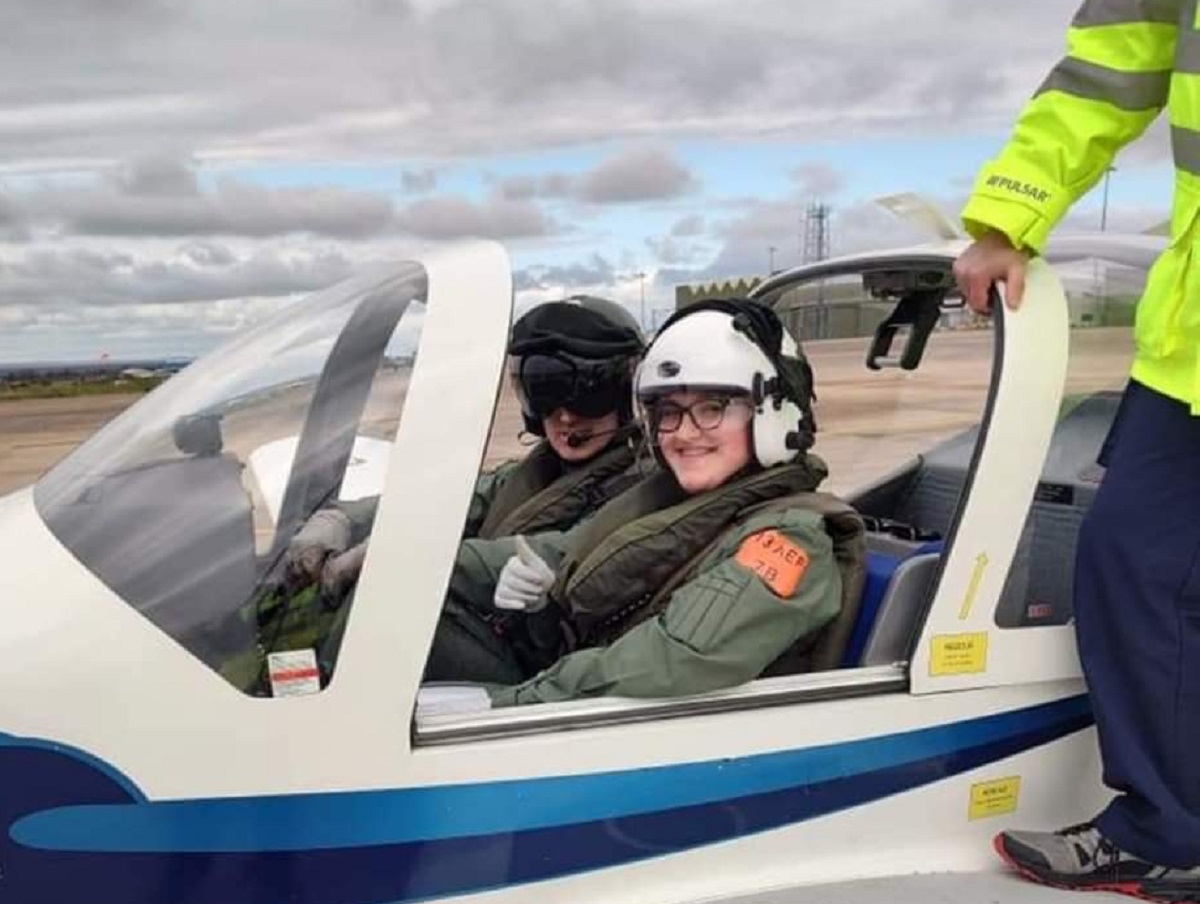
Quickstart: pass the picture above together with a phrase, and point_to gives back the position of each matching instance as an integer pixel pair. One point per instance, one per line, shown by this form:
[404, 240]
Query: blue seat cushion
[881, 566]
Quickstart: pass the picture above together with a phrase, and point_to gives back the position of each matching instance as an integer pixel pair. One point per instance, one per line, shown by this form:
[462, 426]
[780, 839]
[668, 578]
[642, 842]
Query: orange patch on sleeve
[780, 562]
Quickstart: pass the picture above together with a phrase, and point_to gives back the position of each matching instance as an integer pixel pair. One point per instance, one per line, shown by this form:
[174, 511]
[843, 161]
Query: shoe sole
[1136, 889]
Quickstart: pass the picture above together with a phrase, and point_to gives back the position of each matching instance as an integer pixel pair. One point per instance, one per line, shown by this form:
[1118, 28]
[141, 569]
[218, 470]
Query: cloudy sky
[172, 171]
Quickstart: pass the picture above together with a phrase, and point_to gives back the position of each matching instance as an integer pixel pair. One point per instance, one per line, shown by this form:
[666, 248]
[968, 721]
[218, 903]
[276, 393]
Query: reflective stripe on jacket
[1126, 60]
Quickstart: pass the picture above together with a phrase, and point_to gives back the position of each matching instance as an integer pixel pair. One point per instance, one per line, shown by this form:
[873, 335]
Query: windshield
[184, 504]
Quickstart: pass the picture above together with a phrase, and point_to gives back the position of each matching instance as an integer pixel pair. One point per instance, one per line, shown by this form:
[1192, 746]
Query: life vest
[544, 493]
[644, 545]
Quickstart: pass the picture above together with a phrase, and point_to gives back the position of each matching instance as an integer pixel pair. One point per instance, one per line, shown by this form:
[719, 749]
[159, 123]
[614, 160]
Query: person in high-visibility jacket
[1137, 577]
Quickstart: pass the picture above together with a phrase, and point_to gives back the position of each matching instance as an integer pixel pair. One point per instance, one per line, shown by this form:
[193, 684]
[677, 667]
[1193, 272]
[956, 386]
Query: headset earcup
[770, 431]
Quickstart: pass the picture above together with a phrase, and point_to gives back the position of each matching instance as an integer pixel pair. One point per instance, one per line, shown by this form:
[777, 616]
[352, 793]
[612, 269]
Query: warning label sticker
[958, 654]
[994, 798]
[293, 673]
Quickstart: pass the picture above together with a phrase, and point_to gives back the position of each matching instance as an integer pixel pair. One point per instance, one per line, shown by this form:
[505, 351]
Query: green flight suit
[722, 627]
[699, 619]
[537, 493]
[477, 642]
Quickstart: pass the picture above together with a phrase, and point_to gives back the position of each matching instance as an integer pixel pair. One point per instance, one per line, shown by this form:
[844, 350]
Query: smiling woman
[722, 567]
[715, 446]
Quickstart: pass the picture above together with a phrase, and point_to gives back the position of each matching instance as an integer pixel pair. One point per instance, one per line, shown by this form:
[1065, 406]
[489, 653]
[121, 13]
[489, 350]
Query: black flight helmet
[579, 354]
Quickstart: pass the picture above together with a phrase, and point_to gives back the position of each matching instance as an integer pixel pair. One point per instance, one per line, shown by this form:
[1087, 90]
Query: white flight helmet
[715, 349]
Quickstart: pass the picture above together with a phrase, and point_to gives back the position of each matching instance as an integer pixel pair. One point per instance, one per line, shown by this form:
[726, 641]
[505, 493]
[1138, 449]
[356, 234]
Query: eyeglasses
[705, 414]
[546, 383]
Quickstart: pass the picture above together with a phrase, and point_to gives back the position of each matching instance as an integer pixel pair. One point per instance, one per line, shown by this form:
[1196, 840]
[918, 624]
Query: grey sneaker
[1080, 858]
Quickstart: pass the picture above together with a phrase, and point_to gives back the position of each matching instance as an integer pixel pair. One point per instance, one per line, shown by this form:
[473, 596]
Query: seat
[900, 610]
[899, 575]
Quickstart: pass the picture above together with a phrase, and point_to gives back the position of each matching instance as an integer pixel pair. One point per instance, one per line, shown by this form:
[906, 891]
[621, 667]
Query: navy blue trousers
[1137, 611]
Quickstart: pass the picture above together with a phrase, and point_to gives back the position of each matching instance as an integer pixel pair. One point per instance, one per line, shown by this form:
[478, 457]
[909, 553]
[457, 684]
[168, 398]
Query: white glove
[326, 533]
[341, 571]
[524, 581]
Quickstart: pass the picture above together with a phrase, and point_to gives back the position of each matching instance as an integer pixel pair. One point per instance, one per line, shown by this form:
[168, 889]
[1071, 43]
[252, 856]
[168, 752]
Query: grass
[61, 389]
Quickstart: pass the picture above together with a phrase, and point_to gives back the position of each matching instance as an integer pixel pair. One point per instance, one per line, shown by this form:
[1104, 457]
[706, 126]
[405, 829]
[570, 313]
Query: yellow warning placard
[958, 654]
[994, 798]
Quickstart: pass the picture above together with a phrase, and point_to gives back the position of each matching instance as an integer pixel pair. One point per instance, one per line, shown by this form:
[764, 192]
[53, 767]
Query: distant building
[690, 293]
[828, 309]
[834, 308]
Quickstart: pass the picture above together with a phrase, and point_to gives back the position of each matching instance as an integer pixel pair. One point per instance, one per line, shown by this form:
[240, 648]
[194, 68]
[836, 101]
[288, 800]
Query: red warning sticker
[293, 673]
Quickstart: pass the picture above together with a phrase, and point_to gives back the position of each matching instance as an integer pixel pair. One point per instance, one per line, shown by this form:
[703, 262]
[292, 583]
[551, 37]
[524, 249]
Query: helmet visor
[546, 383]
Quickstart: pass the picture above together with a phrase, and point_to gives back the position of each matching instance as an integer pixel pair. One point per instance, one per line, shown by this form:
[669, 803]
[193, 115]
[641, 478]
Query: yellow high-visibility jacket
[1126, 59]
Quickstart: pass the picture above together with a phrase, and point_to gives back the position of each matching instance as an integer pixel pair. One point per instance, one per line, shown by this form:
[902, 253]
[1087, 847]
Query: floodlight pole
[1104, 204]
[642, 295]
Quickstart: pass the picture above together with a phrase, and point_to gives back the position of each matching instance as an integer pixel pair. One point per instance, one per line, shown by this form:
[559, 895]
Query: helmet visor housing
[546, 383]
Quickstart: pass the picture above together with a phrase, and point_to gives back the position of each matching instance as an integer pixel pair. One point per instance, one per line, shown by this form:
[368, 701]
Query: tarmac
[870, 422]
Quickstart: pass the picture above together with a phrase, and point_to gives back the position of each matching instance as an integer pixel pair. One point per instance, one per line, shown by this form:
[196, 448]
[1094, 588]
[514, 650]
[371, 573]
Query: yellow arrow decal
[981, 561]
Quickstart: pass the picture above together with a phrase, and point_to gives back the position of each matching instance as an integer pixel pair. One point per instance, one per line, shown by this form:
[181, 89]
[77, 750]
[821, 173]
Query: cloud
[234, 208]
[114, 142]
[77, 332]
[692, 224]
[207, 254]
[84, 277]
[12, 221]
[454, 216]
[748, 237]
[159, 174]
[631, 175]
[526, 188]
[597, 271]
[418, 181]
[161, 196]
[818, 180]
[672, 251]
[232, 81]
[640, 174]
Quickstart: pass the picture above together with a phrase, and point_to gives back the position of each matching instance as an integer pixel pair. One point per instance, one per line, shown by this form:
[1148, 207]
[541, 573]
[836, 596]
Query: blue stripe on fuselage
[357, 819]
[528, 847]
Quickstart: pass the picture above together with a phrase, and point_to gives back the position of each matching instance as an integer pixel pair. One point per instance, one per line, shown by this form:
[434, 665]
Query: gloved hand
[524, 581]
[341, 571]
[326, 533]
